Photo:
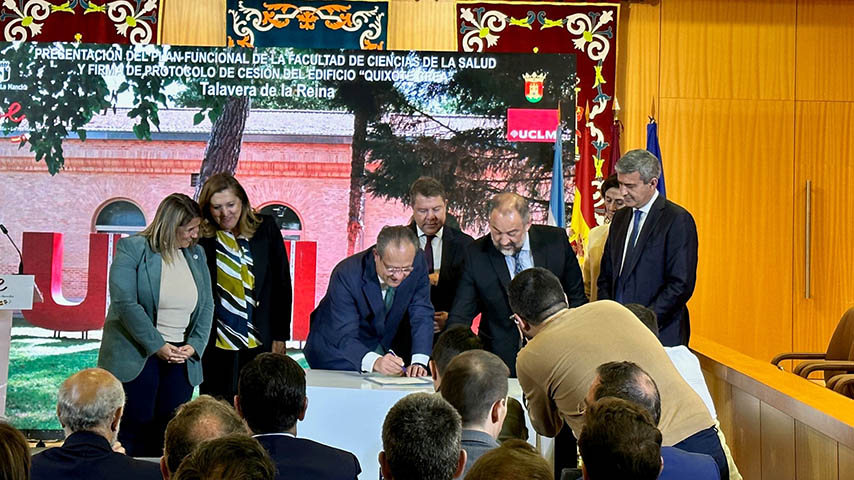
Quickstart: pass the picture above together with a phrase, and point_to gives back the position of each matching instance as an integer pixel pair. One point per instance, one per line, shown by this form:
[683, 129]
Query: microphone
[21, 264]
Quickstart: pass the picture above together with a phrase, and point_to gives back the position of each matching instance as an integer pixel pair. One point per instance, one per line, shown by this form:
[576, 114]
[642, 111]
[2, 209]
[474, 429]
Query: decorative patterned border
[247, 22]
[133, 19]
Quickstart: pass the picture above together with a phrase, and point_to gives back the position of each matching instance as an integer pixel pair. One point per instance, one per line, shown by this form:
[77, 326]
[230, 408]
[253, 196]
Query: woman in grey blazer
[158, 322]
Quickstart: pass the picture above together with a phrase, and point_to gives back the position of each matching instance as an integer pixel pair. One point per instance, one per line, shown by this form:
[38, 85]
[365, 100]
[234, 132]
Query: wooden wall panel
[725, 49]
[778, 444]
[194, 22]
[637, 69]
[846, 463]
[422, 25]
[816, 454]
[825, 49]
[824, 153]
[713, 155]
[746, 434]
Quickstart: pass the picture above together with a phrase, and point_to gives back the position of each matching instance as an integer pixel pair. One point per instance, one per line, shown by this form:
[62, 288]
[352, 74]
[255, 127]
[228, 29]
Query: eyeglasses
[397, 270]
[581, 407]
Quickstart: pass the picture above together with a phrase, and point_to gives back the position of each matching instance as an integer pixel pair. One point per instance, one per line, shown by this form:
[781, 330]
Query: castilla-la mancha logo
[5, 71]
[534, 86]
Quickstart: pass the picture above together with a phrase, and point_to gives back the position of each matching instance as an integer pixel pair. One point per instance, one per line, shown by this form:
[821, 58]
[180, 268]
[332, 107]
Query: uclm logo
[5, 71]
[532, 124]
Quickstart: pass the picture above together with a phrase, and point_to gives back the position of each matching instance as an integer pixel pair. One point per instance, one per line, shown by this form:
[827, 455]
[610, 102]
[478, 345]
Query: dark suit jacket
[454, 243]
[303, 459]
[88, 456]
[272, 315]
[483, 287]
[351, 319]
[679, 465]
[661, 271]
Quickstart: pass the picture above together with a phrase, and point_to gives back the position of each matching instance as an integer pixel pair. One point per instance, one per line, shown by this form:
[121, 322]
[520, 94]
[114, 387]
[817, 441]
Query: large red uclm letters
[43, 258]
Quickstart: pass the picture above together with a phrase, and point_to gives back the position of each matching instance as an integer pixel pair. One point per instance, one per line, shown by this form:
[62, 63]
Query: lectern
[17, 292]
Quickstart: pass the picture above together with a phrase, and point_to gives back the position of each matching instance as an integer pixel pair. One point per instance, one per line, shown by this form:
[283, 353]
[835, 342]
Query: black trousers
[707, 441]
[566, 450]
[221, 370]
[151, 400]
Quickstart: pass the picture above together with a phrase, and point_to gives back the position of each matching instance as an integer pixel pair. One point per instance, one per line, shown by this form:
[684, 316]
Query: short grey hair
[395, 235]
[506, 201]
[641, 161]
[76, 415]
[422, 436]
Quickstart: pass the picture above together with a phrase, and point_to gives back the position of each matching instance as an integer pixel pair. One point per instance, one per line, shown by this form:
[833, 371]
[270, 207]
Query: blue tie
[517, 268]
[635, 230]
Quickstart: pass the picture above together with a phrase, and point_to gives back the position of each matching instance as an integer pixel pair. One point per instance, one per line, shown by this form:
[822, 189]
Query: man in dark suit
[271, 397]
[444, 246]
[89, 407]
[354, 326]
[513, 244]
[650, 256]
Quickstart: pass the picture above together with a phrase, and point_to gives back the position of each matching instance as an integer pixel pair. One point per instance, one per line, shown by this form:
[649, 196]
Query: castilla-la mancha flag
[583, 217]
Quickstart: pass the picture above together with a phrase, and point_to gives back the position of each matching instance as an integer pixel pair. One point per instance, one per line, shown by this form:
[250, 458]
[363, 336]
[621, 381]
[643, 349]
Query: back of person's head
[90, 400]
[14, 454]
[422, 436]
[232, 457]
[515, 459]
[536, 294]
[628, 381]
[271, 393]
[473, 383]
[619, 440]
[203, 418]
[453, 341]
[645, 315]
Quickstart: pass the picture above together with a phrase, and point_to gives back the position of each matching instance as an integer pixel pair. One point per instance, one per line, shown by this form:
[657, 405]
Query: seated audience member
[271, 397]
[689, 367]
[565, 348]
[619, 440]
[455, 340]
[515, 459]
[627, 381]
[14, 454]
[204, 418]
[421, 440]
[89, 407]
[232, 457]
[475, 383]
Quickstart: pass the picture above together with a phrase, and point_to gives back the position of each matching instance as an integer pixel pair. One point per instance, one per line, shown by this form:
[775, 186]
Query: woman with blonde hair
[251, 283]
[158, 322]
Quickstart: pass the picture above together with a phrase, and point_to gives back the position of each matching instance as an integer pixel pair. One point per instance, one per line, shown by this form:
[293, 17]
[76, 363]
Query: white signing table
[346, 410]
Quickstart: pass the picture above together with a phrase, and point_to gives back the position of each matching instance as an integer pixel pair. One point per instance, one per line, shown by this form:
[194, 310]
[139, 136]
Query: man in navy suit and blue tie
[650, 256]
[369, 294]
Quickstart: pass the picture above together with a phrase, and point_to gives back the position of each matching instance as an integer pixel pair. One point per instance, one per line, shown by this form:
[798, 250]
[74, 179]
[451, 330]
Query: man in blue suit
[650, 256]
[271, 397]
[354, 326]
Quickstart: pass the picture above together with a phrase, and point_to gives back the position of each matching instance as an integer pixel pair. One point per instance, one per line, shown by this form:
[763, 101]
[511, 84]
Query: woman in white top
[158, 322]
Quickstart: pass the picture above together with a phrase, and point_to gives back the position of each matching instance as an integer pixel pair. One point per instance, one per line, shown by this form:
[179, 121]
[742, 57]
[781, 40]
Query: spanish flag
[583, 217]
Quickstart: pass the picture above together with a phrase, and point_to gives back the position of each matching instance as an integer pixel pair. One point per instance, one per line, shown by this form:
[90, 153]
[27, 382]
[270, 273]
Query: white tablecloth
[346, 410]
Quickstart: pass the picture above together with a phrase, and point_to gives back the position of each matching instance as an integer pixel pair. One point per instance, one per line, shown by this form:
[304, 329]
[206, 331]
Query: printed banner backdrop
[354, 25]
[588, 29]
[111, 21]
[121, 127]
